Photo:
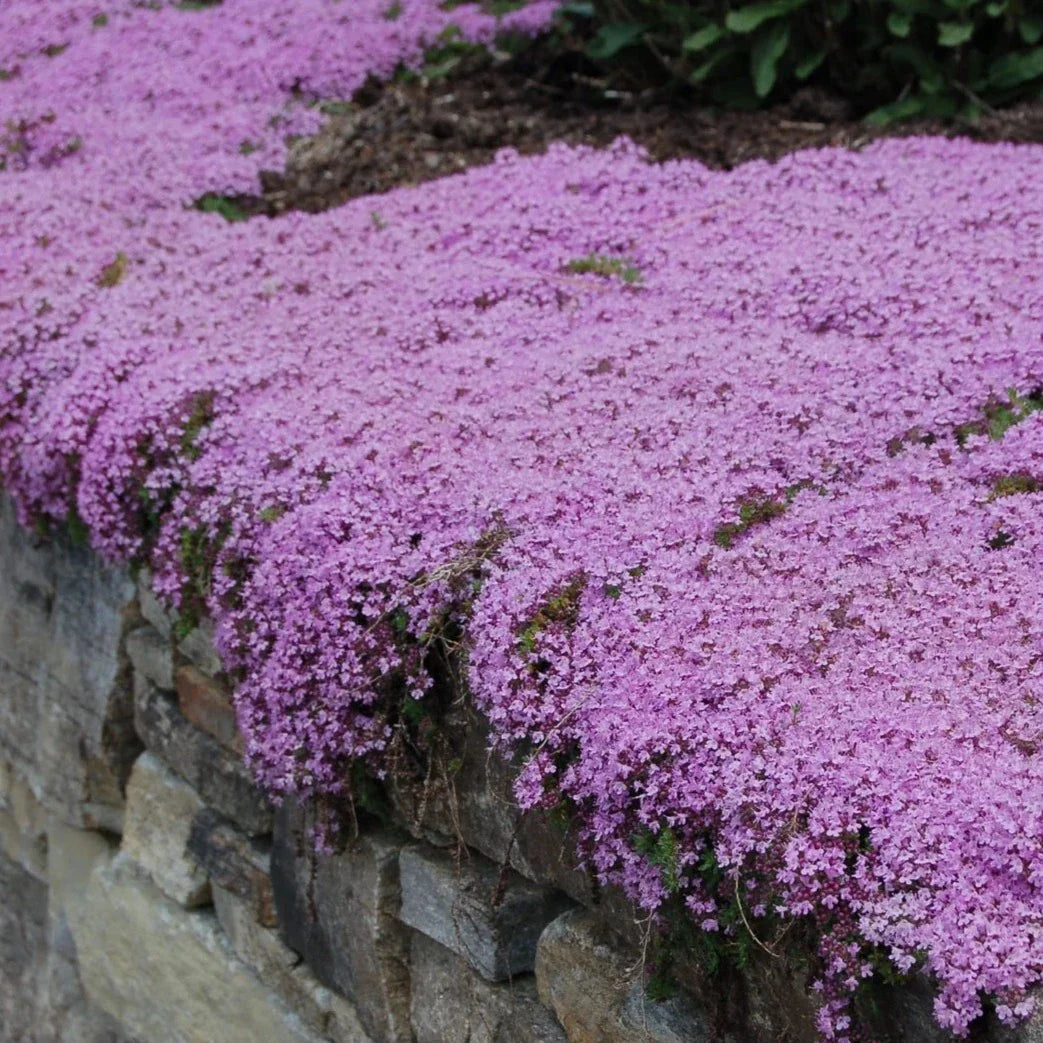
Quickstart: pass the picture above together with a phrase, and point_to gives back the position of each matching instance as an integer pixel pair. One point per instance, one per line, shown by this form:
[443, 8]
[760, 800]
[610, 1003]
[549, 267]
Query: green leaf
[809, 65]
[767, 49]
[996, 8]
[702, 38]
[704, 71]
[932, 79]
[899, 23]
[954, 34]
[914, 105]
[1012, 70]
[1031, 28]
[615, 37]
[582, 8]
[746, 19]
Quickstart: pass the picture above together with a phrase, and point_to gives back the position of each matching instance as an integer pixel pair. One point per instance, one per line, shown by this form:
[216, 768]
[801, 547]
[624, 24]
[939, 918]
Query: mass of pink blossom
[728, 485]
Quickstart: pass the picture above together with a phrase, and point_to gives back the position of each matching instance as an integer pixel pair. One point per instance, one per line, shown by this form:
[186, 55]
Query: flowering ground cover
[728, 486]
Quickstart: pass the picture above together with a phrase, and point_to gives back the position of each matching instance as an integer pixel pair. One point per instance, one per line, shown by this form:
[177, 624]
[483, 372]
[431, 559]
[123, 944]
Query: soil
[411, 130]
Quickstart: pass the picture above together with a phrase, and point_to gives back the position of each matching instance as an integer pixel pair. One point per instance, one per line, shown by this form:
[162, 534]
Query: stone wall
[152, 894]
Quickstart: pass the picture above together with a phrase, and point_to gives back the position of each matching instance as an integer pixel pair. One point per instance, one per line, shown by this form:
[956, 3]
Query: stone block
[340, 912]
[592, 983]
[452, 1003]
[161, 809]
[152, 609]
[237, 864]
[216, 774]
[476, 804]
[197, 646]
[208, 705]
[166, 974]
[23, 948]
[491, 917]
[152, 657]
[65, 694]
[23, 825]
[282, 970]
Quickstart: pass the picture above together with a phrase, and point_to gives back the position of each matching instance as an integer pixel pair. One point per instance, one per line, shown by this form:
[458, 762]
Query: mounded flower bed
[725, 487]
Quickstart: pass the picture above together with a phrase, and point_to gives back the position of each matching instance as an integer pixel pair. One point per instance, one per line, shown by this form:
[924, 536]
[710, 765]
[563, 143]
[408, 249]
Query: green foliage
[226, 206]
[562, 607]
[893, 58]
[754, 511]
[661, 851]
[611, 267]
[112, 274]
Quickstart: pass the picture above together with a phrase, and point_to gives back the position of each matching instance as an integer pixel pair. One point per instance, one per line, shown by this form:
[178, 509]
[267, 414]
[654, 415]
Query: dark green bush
[897, 58]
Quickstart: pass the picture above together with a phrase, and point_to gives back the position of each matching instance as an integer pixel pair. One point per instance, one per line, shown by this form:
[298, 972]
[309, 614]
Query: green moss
[562, 607]
[610, 267]
[272, 513]
[1014, 485]
[755, 511]
[200, 415]
[113, 273]
[226, 206]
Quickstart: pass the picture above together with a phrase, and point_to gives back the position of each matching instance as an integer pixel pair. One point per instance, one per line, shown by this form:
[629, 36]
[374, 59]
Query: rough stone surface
[476, 804]
[492, 919]
[208, 705]
[198, 648]
[23, 825]
[592, 985]
[323, 901]
[161, 809]
[168, 975]
[235, 863]
[217, 775]
[152, 657]
[23, 947]
[282, 970]
[65, 711]
[153, 610]
[452, 1003]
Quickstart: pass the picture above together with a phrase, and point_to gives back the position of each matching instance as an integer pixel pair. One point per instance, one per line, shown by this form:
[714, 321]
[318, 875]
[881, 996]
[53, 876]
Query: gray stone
[593, 985]
[324, 900]
[234, 862]
[153, 610]
[492, 918]
[23, 948]
[161, 809]
[23, 825]
[208, 705]
[166, 974]
[152, 657]
[475, 804]
[281, 969]
[452, 1004]
[198, 648]
[216, 774]
[65, 693]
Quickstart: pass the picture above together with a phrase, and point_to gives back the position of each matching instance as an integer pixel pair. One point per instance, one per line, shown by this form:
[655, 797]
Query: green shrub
[898, 58]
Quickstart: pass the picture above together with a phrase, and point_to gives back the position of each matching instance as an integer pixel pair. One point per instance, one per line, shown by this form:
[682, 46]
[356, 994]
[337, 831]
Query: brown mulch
[409, 131]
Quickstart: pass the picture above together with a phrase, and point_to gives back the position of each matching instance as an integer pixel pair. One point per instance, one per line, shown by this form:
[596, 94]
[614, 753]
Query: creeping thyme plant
[729, 484]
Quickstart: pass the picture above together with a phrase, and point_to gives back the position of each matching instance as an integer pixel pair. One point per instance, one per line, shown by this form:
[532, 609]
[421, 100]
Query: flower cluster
[731, 481]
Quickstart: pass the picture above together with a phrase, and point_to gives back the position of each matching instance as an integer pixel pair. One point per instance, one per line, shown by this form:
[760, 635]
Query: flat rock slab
[234, 862]
[161, 809]
[594, 987]
[451, 1002]
[492, 918]
[215, 773]
[65, 695]
[340, 912]
[166, 974]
